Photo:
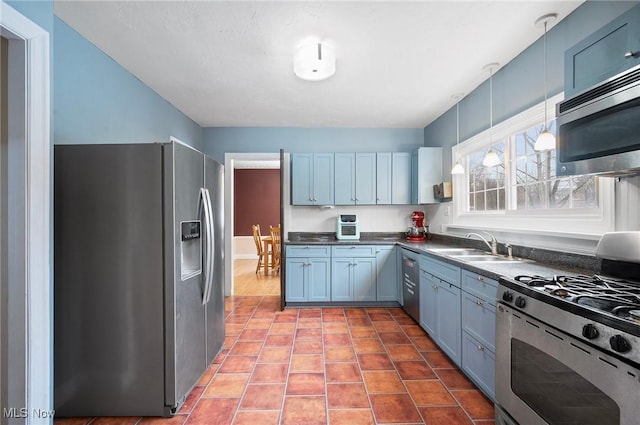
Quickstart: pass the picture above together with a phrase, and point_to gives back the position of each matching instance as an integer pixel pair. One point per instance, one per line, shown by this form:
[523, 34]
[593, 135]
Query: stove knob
[590, 331]
[619, 344]
[520, 302]
[507, 296]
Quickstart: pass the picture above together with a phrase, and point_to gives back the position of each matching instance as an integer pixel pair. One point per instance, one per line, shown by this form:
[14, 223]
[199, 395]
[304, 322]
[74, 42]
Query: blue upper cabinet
[426, 169]
[401, 178]
[605, 53]
[383, 178]
[355, 178]
[312, 177]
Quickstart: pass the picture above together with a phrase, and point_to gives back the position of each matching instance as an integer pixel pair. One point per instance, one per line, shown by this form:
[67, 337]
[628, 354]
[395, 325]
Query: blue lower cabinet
[448, 321]
[319, 278]
[479, 319]
[341, 279]
[308, 279]
[353, 279]
[428, 303]
[296, 290]
[479, 363]
[387, 285]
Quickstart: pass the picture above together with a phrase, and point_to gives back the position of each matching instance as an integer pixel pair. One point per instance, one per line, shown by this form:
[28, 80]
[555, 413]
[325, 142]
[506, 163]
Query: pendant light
[491, 158]
[546, 140]
[457, 168]
[314, 61]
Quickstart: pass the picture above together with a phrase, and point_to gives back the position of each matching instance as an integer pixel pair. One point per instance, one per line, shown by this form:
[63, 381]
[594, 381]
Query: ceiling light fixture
[546, 140]
[314, 61]
[491, 159]
[457, 168]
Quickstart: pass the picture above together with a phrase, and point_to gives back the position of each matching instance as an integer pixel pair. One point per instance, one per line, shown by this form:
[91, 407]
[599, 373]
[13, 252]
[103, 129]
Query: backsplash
[372, 218]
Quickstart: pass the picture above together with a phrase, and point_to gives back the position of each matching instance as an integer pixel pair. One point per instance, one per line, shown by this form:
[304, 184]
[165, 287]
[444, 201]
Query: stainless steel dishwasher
[411, 283]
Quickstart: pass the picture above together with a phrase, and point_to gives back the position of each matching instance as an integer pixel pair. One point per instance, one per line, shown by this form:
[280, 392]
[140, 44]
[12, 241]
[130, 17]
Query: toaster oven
[347, 227]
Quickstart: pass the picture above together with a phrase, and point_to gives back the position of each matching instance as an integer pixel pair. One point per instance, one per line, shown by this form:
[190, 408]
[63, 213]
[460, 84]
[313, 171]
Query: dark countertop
[547, 263]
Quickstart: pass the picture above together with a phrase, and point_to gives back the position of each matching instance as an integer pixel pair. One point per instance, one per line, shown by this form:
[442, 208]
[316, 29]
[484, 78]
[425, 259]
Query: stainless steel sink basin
[486, 258]
[456, 251]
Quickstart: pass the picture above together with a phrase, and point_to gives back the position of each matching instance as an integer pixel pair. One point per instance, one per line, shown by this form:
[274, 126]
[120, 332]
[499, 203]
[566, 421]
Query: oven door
[544, 376]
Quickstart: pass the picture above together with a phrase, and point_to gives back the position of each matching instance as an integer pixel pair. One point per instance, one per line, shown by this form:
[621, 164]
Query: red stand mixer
[418, 231]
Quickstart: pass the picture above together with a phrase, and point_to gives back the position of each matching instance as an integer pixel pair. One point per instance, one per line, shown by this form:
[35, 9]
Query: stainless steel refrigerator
[138, 276]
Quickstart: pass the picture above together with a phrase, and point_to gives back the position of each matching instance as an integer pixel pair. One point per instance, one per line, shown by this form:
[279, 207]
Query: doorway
[25, 282]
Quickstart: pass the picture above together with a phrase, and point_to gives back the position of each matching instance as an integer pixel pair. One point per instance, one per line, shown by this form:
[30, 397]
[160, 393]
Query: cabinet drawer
[350, 251]
[480, 286]
[480, 364]
[445, 271]
[479, 319]
[308, 251]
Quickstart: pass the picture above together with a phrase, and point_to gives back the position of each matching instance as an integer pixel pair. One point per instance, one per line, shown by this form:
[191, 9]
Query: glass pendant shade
[491, 159]
[314, 62]
[545, 141]
[457, 169]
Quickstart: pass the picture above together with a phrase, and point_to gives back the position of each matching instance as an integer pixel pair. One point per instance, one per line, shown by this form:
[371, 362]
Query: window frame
[558, 221]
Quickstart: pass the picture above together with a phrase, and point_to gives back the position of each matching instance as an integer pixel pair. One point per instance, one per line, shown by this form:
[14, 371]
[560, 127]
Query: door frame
[28, 312]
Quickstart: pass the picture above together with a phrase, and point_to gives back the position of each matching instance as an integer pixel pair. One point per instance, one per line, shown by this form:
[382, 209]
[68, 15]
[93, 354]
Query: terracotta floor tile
[424, 343]
[358, 322]
[285, 318]
[263, 314]
[333, 318]
[309, 333]
[394, 408]
[269, 373]
[237, 364]
[404, 320]
[306, 363]
[248, 417]
[335, 328]
[339, 354]
[315, 322]
[444, 415]
[384, 326]
[282, 329]
[437, 359]
[382, 316]
[307, 347]
[351, 417]
[363, 333]
[304, 411]
[484, 422]
[370, 310]
[333, 310]
[344, 396]
[413, 330]
[250, 348]
[475, 404]
[206, 376]
[221, 356]
[355, 312]
[368, 345]
[305, 384]
[275, 355]
[343, 372]
[244, 310]
[237, 318]
[403, 352]
[415, 370]
[374, 361]
[217, 411]
[333, 340]
[229, 340]
[124, 420]
[383, 381]
[176, 420]
[310, 312]
[252, 335]
[394, 338]
[279, 340]
[232, 329]
[263, 397]
[259, 323]
[429, 393]
[227, 385]
[453, 379]
[397, 312]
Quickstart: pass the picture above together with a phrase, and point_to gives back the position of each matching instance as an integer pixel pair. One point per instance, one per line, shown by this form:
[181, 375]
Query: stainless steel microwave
[599, 128]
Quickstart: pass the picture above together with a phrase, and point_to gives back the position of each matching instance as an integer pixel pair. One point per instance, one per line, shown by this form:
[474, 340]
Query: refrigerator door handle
[205, 207]
[211, 230]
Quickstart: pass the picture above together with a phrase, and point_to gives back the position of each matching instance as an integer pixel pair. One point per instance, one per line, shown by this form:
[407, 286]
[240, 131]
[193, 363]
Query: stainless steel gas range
[568, 347]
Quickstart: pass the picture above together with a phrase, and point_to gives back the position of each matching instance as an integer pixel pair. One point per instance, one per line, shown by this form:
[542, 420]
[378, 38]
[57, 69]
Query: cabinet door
[448, 323]
[345, 178]
[401, 178]
[364, 279]
[302, 179]
[414, 178]
[323, 178]
[603, 54]
[479, 320]
[480, 364]
[342, 279]
[318, 279]
[383, 178]
[365, 178]
[428, 303]
[429, 173]
[296, 283]
[387, 283]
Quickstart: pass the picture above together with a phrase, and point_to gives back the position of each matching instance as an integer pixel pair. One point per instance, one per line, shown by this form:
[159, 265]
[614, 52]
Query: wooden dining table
[267, 246]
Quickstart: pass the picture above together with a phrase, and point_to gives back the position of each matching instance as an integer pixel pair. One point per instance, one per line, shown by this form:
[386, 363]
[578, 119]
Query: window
[523, 192]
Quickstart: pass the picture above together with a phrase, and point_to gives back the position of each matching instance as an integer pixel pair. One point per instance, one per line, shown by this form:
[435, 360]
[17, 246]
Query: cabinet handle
[480, 348]
[630, 54]
[479, 302]
[480, 278]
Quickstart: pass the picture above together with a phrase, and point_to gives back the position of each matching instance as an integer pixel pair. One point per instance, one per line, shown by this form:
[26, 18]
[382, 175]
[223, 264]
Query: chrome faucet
[493, 246]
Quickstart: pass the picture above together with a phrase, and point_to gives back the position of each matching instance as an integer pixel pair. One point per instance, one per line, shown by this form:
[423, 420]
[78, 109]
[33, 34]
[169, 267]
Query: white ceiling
[229, 63]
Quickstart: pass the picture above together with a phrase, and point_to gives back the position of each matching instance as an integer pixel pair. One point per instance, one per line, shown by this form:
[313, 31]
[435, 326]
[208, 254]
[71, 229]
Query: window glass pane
[559, 193]
[521, 195]
[492, 200]
[584, 192]
[479, 201]
[501, 199]
[536, 196]
[472, 203]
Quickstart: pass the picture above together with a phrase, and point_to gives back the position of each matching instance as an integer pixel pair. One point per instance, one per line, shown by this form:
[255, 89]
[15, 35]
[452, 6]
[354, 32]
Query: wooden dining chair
[257, 238]
[276, 243]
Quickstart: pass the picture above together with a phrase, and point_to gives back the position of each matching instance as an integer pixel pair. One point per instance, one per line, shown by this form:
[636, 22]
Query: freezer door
[185, 314]
[214, 183]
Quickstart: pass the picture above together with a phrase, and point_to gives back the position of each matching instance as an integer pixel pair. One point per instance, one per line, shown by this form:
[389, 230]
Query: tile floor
[350, 366]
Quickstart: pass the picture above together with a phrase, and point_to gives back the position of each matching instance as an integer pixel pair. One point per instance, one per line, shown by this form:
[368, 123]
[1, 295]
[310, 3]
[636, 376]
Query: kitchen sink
[486, 258]
[456, 251]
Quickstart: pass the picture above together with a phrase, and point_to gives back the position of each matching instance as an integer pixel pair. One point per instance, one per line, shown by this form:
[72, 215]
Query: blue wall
[39, 11]
[218, 140]
[519, 84]
[98, 101]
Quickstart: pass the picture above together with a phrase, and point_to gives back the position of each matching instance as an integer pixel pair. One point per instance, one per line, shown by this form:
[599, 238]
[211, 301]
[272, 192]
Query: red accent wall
[257, 200]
